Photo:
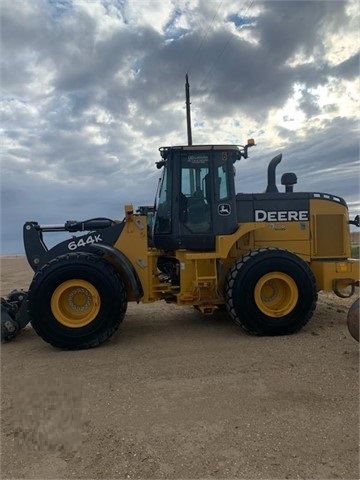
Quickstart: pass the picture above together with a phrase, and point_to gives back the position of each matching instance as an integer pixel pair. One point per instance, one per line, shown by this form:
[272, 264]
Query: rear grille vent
[329, 238]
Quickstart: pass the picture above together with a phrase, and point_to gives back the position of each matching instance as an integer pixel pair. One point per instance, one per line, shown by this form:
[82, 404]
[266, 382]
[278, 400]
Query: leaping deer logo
[224, 209]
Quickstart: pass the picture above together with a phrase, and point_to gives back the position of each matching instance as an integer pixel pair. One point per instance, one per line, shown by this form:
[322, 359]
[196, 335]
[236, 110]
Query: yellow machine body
[323, 242]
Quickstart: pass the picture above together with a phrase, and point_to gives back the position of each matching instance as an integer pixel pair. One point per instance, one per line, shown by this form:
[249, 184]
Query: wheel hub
[75, 303]
[79, 299]
[276, 294]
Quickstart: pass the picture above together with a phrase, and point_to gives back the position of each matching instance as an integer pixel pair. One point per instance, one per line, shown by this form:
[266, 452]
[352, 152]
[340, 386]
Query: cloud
[92, 89]
[348, 69]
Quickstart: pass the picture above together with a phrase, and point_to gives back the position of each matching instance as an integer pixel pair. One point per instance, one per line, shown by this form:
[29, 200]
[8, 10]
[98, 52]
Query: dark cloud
[349, 68]
[258, 77]
[298, 27]
[326, 160]
[309, 104]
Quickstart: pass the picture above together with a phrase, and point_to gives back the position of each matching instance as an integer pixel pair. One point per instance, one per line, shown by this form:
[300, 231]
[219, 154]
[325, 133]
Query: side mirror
[356, 221]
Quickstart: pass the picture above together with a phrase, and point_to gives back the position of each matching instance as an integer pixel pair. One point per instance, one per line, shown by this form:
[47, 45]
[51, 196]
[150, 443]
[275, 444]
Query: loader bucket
[14, 315]
[8, 325]
[353, 320]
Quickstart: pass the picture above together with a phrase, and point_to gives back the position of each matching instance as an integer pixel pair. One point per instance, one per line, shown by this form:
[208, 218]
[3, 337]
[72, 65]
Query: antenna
[188, 113]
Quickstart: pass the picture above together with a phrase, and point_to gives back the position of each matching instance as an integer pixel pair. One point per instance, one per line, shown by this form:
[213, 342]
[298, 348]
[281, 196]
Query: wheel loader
[263, 256]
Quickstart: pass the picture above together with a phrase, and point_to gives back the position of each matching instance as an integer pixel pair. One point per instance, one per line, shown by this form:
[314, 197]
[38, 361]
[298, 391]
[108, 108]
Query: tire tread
[229, 291]
[56, 262]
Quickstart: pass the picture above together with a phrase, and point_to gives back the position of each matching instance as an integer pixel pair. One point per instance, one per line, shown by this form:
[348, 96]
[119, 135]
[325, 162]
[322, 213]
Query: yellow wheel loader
[264, 256]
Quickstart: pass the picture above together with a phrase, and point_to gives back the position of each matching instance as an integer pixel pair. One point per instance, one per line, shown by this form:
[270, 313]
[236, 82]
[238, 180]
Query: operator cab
[196, 197]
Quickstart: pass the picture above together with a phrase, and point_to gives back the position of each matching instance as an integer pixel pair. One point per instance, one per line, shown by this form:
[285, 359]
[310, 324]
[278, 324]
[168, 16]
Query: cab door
[207, 204]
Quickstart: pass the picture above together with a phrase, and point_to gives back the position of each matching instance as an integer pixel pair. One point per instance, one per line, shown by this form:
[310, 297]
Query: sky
[90, 89]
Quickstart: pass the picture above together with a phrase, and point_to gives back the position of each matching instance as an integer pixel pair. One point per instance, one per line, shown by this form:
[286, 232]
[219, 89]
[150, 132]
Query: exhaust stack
[271, 186]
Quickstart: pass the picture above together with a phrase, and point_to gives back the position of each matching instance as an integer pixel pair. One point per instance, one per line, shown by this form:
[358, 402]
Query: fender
[122, 263]
[224, 243]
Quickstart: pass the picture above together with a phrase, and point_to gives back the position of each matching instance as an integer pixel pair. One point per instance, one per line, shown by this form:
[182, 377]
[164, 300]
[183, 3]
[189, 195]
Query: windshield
[163, 205]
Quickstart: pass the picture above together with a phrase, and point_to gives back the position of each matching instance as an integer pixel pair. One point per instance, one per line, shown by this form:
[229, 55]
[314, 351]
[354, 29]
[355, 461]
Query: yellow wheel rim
[75, 303]
[276, 294]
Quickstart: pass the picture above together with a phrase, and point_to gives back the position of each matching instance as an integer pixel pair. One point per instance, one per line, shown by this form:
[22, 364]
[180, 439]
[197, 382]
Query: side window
[222, 187]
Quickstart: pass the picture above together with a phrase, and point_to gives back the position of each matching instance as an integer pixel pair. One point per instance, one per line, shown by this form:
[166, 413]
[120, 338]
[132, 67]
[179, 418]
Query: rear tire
[353, 320]
[270, 291]
[76, 301]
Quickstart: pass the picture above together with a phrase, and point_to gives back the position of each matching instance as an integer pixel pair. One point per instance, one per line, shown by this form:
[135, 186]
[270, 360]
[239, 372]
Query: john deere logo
[224, 209]
[281, 216]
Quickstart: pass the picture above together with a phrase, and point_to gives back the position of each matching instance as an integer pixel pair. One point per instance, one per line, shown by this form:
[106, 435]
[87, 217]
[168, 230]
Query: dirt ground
[177, 395]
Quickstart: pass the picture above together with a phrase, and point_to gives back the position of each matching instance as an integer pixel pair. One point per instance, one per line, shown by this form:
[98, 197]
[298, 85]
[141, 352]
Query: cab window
[222, 183]
[194, 206]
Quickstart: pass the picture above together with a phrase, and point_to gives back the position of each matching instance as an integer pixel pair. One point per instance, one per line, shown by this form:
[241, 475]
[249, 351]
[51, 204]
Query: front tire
[270, 291]
[76, 301]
